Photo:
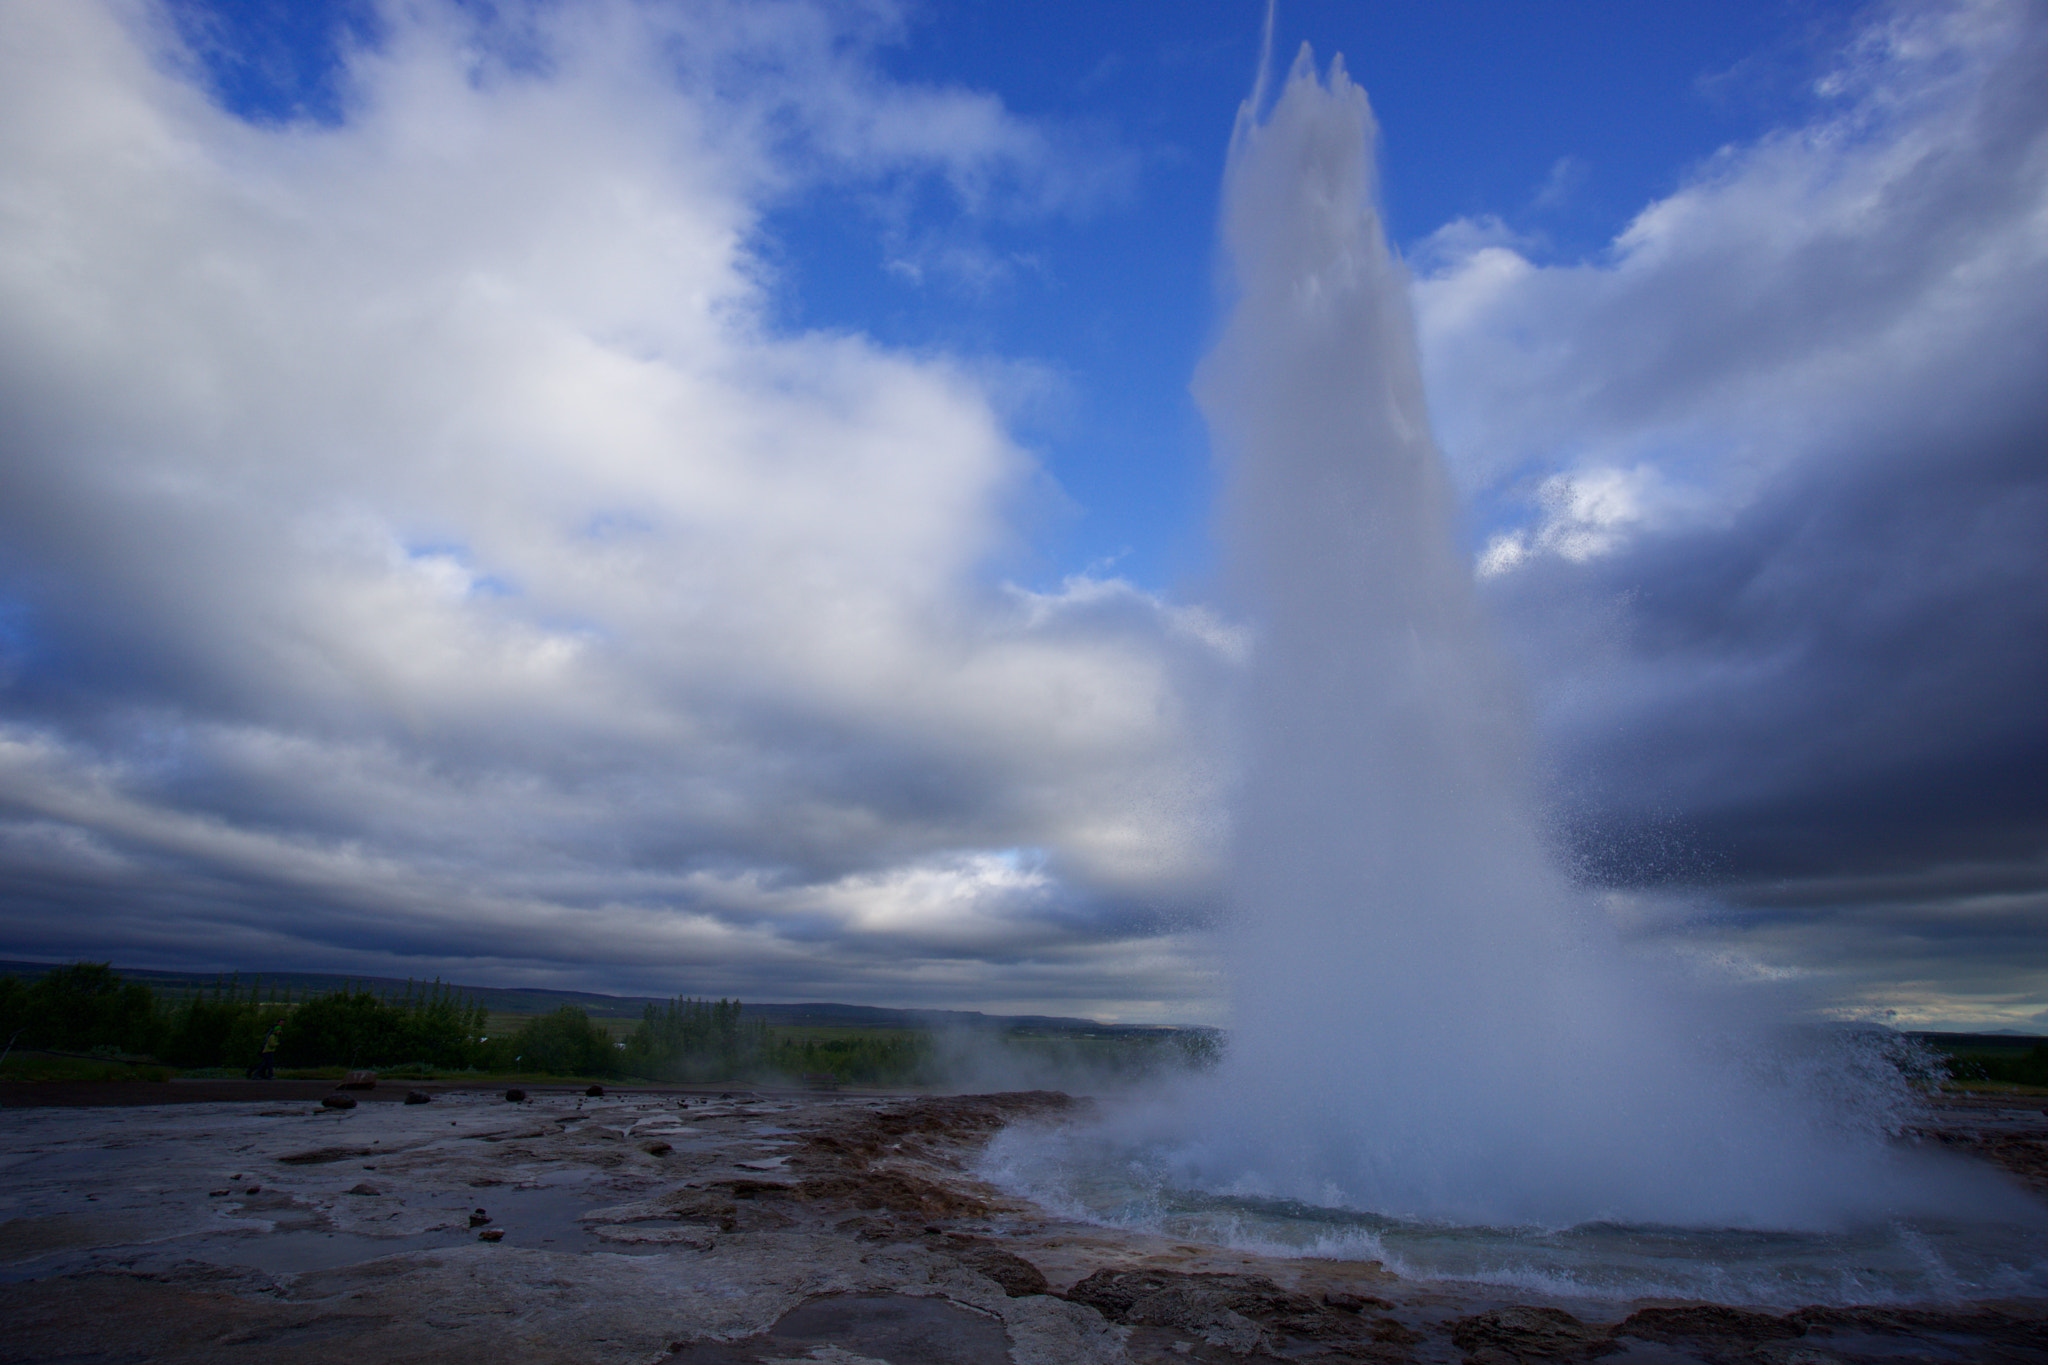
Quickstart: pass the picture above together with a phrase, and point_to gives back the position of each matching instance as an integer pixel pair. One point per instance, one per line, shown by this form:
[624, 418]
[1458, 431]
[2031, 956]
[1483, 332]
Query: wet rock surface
[2009, 1131]
[734, 1227]
[1522, 1332]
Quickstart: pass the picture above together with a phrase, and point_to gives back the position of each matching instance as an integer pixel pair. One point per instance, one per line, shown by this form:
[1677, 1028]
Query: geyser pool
[1431, 1027]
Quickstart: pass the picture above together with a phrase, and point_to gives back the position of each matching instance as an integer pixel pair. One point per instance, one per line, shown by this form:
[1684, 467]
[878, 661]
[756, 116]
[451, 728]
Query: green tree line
[711, 1040]
[87, 1008]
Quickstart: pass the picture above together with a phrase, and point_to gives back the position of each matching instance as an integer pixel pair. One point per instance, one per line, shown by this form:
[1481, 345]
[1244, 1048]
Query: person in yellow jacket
[262, 1071]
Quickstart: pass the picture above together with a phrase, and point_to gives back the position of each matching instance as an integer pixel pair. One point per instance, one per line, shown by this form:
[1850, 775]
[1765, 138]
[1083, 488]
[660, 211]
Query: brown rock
[1017, 1276]
[871, 1326]
[320, 1155]
[2020, 1333]
[338, 1101]
[1522, 1332]
[418, 1097]
[656, 1147]
[896, 1191]
[1710, 1320]
[595, 1092]
[1239, 1313]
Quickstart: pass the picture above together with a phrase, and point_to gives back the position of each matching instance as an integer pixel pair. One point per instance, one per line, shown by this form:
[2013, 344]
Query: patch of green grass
[31, 1067]
[1980, 1086]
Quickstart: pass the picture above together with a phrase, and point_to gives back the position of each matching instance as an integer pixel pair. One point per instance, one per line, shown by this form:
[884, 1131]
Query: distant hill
[528, 1000]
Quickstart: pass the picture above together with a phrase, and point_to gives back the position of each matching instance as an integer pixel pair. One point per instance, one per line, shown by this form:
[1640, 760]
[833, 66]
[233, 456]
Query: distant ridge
[1994, 1039]
[533, 1000]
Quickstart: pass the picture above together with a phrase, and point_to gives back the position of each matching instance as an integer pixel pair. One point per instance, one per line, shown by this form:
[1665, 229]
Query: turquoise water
[1918, 1258]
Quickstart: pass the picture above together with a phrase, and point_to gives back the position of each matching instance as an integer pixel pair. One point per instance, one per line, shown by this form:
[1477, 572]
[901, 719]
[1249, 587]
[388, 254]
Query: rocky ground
[744, 1229]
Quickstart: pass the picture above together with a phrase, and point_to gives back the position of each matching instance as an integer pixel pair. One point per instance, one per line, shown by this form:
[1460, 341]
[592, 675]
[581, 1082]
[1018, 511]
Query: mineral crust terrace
[733, 1229]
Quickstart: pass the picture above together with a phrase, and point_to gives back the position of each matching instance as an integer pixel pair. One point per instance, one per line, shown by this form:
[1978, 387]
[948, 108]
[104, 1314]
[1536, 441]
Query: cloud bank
[1763, 495]
[419, 552]
[424, 549]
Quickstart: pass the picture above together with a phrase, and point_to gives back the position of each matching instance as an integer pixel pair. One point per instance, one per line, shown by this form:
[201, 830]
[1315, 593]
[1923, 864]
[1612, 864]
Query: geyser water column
[1428, 1020]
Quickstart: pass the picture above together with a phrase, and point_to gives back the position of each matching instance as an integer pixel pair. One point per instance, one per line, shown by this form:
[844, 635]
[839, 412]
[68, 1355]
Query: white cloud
[418, 524]
[1586, 514]
[1798, 296]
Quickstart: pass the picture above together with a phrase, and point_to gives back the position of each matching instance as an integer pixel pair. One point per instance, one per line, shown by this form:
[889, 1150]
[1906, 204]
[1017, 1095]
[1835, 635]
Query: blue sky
[1561, 120]
[707, 497]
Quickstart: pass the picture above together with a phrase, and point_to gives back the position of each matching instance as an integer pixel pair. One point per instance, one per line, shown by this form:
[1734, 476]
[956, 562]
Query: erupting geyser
[1429, 1021]
[1439, 1058]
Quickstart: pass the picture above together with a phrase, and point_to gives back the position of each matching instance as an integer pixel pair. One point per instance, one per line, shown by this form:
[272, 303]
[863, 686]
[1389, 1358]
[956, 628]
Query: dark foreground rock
[1194, 1315]
[896, 1328]
[1710, 1322]
[1501, 1336]
[746, 1229]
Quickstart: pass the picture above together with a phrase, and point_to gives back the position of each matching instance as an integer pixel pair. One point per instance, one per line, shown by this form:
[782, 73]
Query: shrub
[79, 1007]
[564, 1043]
[694, 1040]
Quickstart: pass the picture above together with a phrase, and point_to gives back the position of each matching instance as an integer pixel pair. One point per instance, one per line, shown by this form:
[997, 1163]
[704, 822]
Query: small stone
[418, 1097]
[215, 1194]
[656, 1147]
[479, 1218]
[362, 1188]
[516, 1095]
[595, 1092]
[253, 1189]
[491, 1235]
[338, 1102]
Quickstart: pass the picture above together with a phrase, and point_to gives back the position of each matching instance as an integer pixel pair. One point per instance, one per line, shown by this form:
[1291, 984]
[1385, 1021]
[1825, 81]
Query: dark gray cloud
[1780, 581]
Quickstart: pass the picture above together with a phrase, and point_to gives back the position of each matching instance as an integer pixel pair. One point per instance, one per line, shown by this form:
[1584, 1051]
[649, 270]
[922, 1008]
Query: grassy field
[1992, 1063]
[36, 1066]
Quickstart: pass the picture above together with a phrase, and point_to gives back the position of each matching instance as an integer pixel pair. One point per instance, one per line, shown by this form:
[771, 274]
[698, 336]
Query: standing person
[262, 1071]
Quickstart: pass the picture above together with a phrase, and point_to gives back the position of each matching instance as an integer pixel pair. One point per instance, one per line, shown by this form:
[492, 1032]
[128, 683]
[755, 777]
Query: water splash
[1429, 1021]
